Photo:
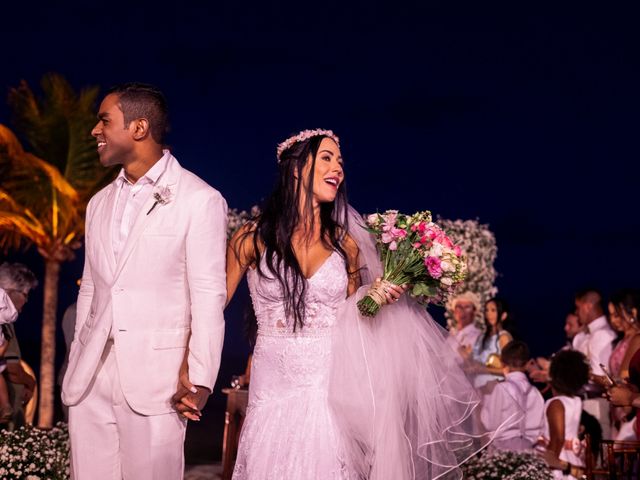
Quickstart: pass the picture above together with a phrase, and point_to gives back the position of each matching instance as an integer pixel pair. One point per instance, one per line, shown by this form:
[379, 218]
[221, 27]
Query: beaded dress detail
[289, 432]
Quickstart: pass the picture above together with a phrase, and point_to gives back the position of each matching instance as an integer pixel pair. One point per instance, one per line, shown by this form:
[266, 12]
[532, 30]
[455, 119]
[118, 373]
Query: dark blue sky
[520, 114]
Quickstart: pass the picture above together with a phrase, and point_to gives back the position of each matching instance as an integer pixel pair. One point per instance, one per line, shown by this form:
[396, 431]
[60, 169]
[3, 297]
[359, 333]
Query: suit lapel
[106, 220]
[169, 178]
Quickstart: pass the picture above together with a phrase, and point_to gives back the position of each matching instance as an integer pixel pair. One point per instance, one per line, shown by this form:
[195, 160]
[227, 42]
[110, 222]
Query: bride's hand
[386, 292]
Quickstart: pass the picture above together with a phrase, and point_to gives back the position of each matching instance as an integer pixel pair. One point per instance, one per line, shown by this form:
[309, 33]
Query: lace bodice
[326, 289]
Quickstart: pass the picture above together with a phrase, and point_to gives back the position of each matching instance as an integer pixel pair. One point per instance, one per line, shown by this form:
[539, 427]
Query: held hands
[189, 400]
[384, 292]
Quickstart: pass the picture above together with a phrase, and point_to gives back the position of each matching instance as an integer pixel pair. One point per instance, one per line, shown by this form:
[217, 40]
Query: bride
[334, 395]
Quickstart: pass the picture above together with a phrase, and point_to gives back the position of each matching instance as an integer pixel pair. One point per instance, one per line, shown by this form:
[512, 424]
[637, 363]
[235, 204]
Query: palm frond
[10, 146]
[17, 230]
[12, 151]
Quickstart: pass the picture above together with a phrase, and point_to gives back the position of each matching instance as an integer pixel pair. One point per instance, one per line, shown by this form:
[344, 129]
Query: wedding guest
[569, 372]
[623, 311]
[596, 345]
[538, 369]
[8, 314]
[514, 397]
[464, 333]
[483, 361]
[17, 281]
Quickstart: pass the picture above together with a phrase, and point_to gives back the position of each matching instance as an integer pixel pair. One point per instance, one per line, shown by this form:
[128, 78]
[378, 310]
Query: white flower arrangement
[35, 454]
[237, 218]
[506, 465]
[478, 244]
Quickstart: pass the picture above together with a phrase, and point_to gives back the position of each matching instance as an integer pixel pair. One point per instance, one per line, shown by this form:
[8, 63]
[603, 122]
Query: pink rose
[390, 217]
[386, 237]
[457, 250]
[393, 245]
[430, 233]
[433, 266]
[398, 233]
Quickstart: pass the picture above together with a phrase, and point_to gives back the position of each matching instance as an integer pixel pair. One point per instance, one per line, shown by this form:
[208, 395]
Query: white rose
[436, 250]
[447, 267]
[372, 219]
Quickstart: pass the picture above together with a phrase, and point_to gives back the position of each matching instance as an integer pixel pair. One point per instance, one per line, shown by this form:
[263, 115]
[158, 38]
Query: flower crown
[305, 135]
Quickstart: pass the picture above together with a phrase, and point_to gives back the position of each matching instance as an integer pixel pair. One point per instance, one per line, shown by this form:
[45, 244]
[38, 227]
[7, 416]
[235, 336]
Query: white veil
[404, 407]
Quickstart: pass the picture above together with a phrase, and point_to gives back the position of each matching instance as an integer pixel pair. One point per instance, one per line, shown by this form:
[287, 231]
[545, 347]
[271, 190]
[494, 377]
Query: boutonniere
[162, 196]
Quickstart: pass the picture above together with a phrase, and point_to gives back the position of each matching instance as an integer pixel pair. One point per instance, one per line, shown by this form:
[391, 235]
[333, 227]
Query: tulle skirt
[404, 407]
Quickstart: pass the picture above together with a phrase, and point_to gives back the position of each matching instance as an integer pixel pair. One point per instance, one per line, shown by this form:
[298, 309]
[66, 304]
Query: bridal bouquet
[415, 251]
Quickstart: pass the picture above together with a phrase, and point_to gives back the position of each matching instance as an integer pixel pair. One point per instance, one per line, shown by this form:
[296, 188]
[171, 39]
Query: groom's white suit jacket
[166, 292]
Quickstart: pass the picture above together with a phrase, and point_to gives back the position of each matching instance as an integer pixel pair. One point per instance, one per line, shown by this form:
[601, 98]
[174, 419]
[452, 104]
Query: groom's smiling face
[115, 140]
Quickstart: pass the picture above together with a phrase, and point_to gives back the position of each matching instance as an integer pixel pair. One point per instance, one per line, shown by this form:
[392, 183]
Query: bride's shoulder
[350, 247]
[243, 242]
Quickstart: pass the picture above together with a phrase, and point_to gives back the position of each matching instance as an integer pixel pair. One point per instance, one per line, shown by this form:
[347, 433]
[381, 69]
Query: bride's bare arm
[351, 249]
[240, 255]
[390, 292]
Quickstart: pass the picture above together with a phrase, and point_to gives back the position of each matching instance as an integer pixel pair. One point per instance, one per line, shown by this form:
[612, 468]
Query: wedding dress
[350, 397]
[289, 432]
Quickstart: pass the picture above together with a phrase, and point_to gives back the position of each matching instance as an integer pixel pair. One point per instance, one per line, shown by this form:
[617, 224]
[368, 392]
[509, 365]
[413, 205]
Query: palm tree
[43, 194]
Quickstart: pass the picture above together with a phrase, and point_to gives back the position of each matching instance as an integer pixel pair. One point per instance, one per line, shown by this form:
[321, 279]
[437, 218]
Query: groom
[152, 294]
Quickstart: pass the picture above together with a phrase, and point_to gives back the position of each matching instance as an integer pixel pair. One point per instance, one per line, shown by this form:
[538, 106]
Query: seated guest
[483, 361]
[560, 441]
[463, 334]
[596, 345]
[8, 314]
[16, 280]
[538, 369]
[514, 397]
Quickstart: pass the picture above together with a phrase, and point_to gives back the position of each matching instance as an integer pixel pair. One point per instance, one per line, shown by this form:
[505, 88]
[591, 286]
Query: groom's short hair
[141, 100]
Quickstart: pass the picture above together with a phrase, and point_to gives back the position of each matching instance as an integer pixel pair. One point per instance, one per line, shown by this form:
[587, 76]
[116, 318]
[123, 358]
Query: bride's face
[328, 173]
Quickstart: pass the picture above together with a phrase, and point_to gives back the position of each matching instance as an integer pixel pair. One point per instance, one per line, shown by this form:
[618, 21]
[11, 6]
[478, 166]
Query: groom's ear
[140, 128]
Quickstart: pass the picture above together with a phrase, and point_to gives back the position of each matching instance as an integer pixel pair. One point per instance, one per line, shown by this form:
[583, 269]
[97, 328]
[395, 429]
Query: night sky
[521, 115]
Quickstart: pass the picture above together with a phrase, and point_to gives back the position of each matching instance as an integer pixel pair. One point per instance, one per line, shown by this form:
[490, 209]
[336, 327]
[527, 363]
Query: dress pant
[109, 441]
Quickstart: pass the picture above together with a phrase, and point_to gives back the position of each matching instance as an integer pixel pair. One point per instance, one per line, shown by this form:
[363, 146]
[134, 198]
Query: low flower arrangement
[30, 453]
[505, 465]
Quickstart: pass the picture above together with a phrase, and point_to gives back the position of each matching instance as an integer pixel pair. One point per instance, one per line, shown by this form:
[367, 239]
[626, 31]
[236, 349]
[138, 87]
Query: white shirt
[8, 312]
[596, 344]
[130, 199]
[509, 400]
[579, 341]
[463, 338]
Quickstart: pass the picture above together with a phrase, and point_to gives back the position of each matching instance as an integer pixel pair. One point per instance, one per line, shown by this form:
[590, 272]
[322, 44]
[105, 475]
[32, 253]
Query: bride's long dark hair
[282, 215]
